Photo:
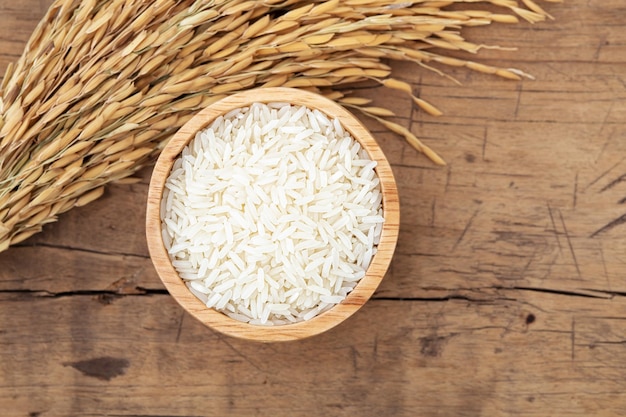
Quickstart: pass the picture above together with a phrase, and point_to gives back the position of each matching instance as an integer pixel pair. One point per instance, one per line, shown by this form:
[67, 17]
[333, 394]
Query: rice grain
[262, 223]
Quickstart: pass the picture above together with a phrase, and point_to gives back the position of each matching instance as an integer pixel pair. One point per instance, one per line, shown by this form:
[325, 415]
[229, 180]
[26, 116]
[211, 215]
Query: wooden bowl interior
[338, 313]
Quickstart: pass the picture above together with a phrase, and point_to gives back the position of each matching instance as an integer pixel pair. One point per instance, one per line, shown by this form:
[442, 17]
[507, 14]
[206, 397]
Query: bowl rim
[220, 321]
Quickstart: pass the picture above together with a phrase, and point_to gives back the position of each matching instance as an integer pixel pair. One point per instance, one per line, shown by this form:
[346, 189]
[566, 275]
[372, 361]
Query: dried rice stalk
[103, 84]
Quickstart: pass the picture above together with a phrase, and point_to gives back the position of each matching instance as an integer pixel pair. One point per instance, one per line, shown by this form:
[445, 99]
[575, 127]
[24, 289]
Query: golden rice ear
[427, 107]
[102, 85]
[398, 129]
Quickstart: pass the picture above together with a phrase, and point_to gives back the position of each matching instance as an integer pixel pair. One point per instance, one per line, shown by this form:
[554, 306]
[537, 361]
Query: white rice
[272, 214]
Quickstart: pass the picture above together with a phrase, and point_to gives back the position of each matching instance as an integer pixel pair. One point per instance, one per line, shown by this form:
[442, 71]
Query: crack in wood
[432, 212]
[603, 174]
[620, 179]
[610, 342]
[445, 298]
[180, 326]
[60, 294]
[519, 99]
[610, 225]
[238, 353]
[610, 293]
[71, 248]
[555, 230]
[484, 145]
[568, 239]
[568, 293]
[569, 243]
[467, 226]
[589, 293]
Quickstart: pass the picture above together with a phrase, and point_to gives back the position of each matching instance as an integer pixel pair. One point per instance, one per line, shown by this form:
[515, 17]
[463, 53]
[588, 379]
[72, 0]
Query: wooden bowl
[324, 321]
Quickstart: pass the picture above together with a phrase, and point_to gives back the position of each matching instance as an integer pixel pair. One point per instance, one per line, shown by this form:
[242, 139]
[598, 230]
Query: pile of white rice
[272, 214]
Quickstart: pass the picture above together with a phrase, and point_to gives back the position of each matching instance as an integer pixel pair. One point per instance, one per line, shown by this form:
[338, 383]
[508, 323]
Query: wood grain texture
[505, 297]
[318, 324]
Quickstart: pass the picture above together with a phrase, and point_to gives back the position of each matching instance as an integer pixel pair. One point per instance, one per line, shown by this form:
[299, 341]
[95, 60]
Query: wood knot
[104, 368]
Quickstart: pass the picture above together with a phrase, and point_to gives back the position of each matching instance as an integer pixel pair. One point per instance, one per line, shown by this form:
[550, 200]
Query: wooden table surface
[506, 295]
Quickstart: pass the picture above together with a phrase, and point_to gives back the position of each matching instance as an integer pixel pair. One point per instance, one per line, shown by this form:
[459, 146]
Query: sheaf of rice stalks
[103, 84]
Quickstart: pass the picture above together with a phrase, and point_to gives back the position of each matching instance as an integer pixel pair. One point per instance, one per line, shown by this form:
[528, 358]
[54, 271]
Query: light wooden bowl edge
[338, 313]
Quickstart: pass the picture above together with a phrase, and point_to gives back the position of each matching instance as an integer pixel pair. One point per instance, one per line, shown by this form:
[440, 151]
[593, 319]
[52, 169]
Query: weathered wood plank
[518, 353]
